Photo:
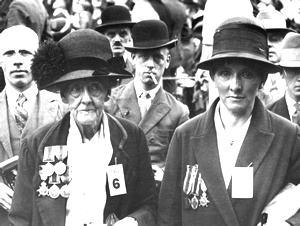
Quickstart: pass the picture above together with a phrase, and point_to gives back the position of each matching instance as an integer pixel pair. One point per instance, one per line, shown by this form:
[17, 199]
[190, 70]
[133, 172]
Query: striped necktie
[296, 115]
[20, 113]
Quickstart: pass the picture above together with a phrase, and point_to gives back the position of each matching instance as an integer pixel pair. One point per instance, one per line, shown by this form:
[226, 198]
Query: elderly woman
[224, 166]
[89, 168]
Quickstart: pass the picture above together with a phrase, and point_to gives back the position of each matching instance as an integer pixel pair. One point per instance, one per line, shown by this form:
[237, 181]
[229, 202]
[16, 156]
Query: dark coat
[129, 147]
[159, 123]
[272, 144]
[279, 107]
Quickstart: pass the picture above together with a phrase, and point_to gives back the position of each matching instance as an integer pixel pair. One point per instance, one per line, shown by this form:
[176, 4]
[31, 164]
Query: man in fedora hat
[225, 165]
[143, 100]
[287, 106]
[275, 24]
[90, 168]
[23, 107]
[116, 26]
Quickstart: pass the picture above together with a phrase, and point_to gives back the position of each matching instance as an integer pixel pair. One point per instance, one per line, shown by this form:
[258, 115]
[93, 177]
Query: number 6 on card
[116, 180]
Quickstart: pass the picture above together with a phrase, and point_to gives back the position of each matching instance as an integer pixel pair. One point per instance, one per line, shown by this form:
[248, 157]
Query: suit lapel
[44, 110]
[206, 151]
[128, 104]
[4, 137]
[158, 109]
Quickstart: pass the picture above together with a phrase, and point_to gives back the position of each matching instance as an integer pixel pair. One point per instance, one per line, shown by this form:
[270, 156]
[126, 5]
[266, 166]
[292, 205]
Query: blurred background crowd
[191, 21]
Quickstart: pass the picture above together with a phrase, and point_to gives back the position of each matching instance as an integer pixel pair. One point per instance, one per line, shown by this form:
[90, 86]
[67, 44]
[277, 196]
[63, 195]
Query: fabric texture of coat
[272, 145]
[47, 109]
[129, 148]
[279, 107]
[159, 123]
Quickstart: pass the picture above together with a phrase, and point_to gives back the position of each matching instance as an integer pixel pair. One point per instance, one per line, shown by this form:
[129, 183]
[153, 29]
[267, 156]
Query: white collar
[290, 104]
[139, 90]
[29, 93]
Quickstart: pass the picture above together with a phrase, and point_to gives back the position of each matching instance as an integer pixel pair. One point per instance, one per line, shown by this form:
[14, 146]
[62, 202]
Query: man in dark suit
[116, 26]
[287, 106]
[18, 44]
[143, 101]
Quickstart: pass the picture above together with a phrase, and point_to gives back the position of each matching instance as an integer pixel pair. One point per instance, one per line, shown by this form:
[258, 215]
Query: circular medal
[49, 169]
[43, 190]
[54, 191]
[60, 168]
[65, 191]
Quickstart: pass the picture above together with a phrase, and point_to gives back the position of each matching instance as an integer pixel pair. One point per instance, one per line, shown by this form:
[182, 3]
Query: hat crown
[150, 34]
[115, 14]
[290, 52]
[84, 43]
[272, 19]
[241, 35]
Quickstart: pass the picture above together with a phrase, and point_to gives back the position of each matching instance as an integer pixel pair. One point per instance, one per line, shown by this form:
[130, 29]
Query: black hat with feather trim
[81, 54]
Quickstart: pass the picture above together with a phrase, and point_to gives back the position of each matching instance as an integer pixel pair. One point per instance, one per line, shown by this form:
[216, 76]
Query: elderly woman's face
[86, 101]
[237, 83]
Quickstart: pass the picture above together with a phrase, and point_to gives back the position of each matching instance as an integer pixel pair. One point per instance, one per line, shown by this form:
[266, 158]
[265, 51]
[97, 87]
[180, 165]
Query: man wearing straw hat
[143, 101]
[224, 166]
[89, 168]
[288, 105]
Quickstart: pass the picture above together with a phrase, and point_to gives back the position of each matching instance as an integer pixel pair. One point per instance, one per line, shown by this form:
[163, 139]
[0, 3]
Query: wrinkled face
[119, 37]
[237, 83]
[15, 61]
[274, 42]
[292, 78]
[150, 66]
[86, 101]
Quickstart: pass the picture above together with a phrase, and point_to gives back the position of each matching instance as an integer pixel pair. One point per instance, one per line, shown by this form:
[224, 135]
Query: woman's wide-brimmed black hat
[243, 38]
[81, 54]
[150, 34]
[115, 15]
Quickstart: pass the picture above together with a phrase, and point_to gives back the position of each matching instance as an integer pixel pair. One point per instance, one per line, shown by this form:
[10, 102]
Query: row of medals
[56, 172]
[192, 184]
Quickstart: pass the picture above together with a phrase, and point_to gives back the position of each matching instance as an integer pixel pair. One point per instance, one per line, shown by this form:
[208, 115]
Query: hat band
[150, 43]
[87, 63]
[240, 39]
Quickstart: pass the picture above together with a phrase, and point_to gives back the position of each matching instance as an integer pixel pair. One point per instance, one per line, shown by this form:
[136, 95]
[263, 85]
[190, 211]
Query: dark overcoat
[272, 144]
[129, 148]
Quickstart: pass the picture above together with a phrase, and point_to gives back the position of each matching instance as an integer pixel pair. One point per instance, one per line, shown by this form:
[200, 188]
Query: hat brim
[103, 27]
[267, 65]
[171, 44]
[84, 74]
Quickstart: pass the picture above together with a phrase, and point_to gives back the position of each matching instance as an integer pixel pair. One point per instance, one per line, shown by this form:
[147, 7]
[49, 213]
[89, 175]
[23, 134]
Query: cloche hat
[81, 54]
[114, 16]
[240, 37]
[150, 34]
[290, 52]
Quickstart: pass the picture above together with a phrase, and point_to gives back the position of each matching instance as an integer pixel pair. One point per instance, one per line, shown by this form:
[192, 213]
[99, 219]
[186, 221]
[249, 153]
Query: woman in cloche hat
[89, 168]
[224, 166]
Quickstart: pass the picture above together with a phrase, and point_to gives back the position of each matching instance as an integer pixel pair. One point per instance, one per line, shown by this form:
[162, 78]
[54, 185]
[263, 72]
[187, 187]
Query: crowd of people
[150, 112]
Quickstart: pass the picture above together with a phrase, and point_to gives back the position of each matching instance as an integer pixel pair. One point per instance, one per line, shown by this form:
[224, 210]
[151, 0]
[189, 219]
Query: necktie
[296, 115]
[145, 103]
[21, 114]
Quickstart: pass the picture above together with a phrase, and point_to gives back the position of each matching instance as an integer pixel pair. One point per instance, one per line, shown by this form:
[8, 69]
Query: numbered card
[242, 182]
[116, 180]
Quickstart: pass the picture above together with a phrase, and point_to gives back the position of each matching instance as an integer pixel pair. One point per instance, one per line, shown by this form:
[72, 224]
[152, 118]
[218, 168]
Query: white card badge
[116, 180]
[242, 182]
